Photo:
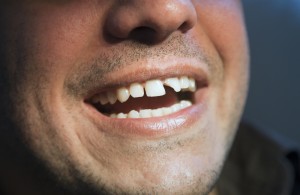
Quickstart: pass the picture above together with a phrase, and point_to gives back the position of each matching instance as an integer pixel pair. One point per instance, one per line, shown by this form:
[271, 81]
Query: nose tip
[150, 21]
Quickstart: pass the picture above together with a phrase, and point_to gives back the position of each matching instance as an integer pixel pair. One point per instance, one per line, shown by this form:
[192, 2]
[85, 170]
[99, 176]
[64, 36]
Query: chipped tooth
[133, 114]
[154, 88]
[167, 111]
[136, 90]
[122, 115]
[123, 94]
[145, 113]
[113, 115]
[176, 107]
[184, 82]
[174, 83]
[112, 98]
[185, 104]
[157, 112]
[103, 99]
[192, 85]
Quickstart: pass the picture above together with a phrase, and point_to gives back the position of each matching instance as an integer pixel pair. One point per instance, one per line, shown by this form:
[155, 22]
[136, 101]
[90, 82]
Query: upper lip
[152, 70]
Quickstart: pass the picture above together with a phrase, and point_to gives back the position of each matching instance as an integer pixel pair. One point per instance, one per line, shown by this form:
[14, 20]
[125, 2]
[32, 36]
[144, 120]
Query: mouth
[163, 102]
[152, 98]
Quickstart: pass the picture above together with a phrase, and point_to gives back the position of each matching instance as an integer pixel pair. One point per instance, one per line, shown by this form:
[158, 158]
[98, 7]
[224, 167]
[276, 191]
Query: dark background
[274, 96]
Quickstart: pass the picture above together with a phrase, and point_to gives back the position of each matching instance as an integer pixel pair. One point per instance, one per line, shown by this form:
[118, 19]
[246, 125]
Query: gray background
[274, 33]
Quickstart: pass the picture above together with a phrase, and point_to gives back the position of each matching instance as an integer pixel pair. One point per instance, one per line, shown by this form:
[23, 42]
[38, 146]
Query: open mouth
[148, 99]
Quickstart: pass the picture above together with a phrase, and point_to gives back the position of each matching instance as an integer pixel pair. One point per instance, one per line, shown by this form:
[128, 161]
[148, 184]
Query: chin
[164, 174]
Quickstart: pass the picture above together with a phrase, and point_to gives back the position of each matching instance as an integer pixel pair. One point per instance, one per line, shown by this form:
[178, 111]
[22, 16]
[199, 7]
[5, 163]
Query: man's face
[63, 58]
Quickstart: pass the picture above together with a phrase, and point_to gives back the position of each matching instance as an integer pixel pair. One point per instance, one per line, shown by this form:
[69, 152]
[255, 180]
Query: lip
[152, 69]
[155, 127]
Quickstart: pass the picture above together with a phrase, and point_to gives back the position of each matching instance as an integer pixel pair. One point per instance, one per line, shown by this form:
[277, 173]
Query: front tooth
[174, 83]
[123, 94]
[122, 115]
[157, 112]
[192, 85]
[133, 114]
[185, 104]
[112, 98]
[154, 88]
[136, 90]
[103, 99]
[145, 113]
[184, 82]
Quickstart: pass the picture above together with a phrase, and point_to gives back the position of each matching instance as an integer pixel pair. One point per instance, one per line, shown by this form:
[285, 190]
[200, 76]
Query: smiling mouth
[152, 98]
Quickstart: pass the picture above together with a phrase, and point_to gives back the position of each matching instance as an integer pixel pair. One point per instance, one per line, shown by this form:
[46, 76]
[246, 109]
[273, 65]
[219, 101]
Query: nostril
[142, 21]
[143, 34]
[184, 27]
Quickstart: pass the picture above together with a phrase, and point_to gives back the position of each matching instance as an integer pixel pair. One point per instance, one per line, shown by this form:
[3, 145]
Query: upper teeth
[153, 88]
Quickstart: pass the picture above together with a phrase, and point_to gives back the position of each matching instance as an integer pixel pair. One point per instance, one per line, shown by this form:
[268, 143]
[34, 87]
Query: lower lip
[150, 127]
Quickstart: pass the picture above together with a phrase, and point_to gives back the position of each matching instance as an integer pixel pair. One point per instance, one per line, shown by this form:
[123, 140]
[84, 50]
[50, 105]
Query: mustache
[85, 76]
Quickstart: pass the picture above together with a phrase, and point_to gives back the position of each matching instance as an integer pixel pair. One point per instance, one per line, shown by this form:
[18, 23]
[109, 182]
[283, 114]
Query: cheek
[223, 23]
[55, 44]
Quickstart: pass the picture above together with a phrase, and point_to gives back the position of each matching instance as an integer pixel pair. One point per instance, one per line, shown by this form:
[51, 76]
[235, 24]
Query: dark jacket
[261, 163]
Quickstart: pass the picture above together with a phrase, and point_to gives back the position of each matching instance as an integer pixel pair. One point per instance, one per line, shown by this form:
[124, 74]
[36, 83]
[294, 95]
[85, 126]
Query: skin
[52, 146]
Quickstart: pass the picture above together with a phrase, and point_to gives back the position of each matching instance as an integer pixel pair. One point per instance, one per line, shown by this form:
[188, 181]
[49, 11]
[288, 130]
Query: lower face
[70, 97]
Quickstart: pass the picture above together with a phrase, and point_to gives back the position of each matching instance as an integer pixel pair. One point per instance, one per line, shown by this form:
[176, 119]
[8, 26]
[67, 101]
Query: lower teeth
[149, 113]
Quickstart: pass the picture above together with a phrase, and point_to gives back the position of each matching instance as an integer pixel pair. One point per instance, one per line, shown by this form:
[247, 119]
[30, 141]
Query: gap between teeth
[149, 113]
[153, 88]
